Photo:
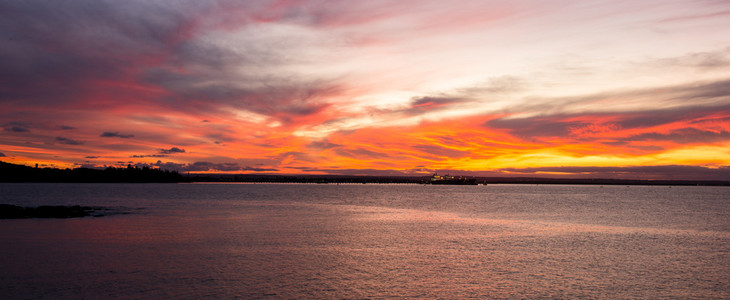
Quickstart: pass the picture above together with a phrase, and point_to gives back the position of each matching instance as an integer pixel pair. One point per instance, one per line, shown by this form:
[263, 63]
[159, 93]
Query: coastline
[19, 173]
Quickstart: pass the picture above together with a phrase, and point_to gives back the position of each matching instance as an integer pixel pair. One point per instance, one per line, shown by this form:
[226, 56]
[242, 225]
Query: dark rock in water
[8, 211]
[75, 211]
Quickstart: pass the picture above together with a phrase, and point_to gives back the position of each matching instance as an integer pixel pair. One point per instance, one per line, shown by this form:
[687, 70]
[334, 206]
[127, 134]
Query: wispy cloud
[667, 172]
[110, 134]
[172, 150]
[204, 166]
[68, 141]
[148, 155]
[15, 127]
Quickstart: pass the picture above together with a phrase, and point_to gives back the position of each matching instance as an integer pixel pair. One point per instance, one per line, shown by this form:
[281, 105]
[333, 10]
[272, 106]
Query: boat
[451, 180]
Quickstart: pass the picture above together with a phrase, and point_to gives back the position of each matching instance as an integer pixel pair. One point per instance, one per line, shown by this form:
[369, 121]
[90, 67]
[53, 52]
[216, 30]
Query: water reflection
[331, 247]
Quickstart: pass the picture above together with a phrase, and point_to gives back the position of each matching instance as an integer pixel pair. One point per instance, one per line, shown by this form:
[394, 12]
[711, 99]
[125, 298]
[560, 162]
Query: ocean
[294, 241]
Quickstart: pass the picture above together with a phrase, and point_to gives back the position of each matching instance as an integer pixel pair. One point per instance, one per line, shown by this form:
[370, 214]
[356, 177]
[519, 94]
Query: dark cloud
[466, 96]
[472, 95]
[684, 136]
[668, 100]
[564, 125]
[207, 166]
[52, 55]
[297, 156]
[92, 157]
[16, 127]
[172, 150]
[322, 145]
[50, 52]
[88, 166]
[652, 118]
[656, 118]
[448, 140]
[535, 126]
[441, 151]
[434, 101]
[225, 135]
[283, 99]
[256, 169]
[710, 90]
[2, 154]
[420, 105]
[116, 134]
[68, 141]
[166, 166]
[63, 127]
[54, 52]
[151, 155]
[219, 77]
[360, 153]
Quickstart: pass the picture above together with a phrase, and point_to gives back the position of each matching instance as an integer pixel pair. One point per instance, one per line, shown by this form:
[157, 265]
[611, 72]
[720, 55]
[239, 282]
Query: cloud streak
[15, 127]
[204, 166]
[68, 141]
[667, 172]
[116, 134]
[172, 150]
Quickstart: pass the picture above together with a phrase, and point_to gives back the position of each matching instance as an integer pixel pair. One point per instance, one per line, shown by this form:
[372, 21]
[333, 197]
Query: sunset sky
[613, 89]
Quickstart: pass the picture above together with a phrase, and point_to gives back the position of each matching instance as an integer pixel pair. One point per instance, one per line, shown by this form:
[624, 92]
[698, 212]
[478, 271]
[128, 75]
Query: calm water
[369, 241]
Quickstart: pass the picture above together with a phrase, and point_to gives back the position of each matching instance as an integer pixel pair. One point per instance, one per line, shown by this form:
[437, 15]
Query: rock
[8, 211]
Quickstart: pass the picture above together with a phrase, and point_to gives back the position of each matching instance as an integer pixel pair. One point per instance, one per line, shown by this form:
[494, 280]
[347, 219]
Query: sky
[609, 89]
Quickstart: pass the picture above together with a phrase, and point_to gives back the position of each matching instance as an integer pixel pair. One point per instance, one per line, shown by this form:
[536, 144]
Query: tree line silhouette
[19, 173]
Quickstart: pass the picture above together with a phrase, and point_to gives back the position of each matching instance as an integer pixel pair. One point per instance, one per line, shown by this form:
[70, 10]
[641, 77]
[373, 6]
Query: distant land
[8, 211]
[20, 173]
